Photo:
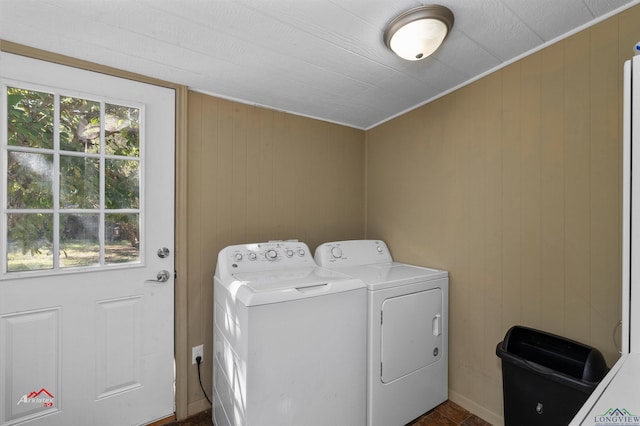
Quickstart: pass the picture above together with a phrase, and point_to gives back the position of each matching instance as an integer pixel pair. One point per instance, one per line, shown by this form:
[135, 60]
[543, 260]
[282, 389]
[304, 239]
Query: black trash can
[546, 378]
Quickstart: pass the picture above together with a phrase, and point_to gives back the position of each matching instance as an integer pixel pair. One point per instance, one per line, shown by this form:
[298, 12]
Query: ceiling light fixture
[418, 32]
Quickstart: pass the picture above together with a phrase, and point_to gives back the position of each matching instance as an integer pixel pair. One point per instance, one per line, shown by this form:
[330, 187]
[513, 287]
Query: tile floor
[446, 414]
[449, 414]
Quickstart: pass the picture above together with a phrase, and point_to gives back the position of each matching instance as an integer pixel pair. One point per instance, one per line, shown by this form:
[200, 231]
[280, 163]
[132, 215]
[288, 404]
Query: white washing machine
[407, 354]
[289, 339]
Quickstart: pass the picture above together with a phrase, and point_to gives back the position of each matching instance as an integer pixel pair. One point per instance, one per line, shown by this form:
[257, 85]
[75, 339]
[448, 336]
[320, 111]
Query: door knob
[163, 252]
[162, 277]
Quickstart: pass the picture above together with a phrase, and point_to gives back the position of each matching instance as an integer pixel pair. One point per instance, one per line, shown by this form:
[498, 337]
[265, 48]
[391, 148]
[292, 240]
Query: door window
[72, 175]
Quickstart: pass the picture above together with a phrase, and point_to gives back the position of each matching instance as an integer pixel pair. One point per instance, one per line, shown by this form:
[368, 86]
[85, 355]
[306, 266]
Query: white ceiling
[319, 58]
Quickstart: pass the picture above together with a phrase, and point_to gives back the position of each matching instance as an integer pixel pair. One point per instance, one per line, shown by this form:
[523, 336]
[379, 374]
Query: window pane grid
[78, 229]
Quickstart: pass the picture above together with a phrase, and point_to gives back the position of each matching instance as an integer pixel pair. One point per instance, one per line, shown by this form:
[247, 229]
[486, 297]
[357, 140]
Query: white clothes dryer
[289, 339]
[407, 353]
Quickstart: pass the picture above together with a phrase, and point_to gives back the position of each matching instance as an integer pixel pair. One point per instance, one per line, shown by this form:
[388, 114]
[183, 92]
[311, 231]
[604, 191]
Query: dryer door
[411, 333]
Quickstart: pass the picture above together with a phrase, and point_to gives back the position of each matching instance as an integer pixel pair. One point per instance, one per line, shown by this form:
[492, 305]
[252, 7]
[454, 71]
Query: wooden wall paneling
[313, 144]
[253, 171]
[476, 227]
[458, 297]
[222, 174]
[467, 312]
[426, 159]
[513, 245]
[530, 177]
[197, 326]
[331, 166]
[288, 207]
[381, 160]
[460, 274]
[200, 266]
[448, 210]
[606, 60]
[511, 196]
[552, 185]
[260, 189]
[210, 192]
[308, 144]
[237, 219]
[349, 219]
[266, 179]
[284, 186]
[493, 302]
[442, 163]
[321, 185]
[577, 186]
[408, 170]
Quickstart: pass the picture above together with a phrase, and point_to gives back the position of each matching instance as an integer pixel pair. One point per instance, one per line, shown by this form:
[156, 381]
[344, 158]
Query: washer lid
[392, 274]
[259, 288]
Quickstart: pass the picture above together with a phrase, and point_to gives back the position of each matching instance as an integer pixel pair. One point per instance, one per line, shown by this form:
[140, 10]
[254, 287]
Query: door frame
[180, 291]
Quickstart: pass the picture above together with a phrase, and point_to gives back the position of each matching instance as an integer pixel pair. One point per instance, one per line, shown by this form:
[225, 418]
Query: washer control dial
[271, 254]
[336, 252]
[253, 256]
[289, 253]
[301, 252]
[237, 257]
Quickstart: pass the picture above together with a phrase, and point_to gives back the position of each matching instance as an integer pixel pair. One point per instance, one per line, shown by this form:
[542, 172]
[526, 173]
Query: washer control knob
[253, 256]
[301, 252]
[336, 252]
[237, 257]
[379, 249]
[289, 253]
[271, 254]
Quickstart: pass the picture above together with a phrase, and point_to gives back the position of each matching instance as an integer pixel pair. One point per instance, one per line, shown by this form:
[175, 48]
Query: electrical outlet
[197, 351]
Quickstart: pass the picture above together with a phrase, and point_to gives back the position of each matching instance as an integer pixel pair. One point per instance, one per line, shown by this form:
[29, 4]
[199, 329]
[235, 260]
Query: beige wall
[513, 185]
[256, 175]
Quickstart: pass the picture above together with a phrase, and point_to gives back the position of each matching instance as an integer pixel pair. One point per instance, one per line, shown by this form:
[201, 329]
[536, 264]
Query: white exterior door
[86, 326]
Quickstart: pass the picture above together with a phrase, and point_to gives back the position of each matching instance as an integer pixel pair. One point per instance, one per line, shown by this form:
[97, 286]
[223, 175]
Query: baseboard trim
[475, 408]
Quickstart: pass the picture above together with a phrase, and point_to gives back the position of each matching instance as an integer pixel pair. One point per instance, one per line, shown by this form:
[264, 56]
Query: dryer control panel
[272, 255]
[352, 253]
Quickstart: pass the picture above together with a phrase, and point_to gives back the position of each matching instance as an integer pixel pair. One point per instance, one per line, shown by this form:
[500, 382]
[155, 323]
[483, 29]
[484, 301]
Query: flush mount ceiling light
[418, 32]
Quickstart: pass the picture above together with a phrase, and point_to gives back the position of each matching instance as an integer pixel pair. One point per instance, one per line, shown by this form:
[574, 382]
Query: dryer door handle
[436, 325]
